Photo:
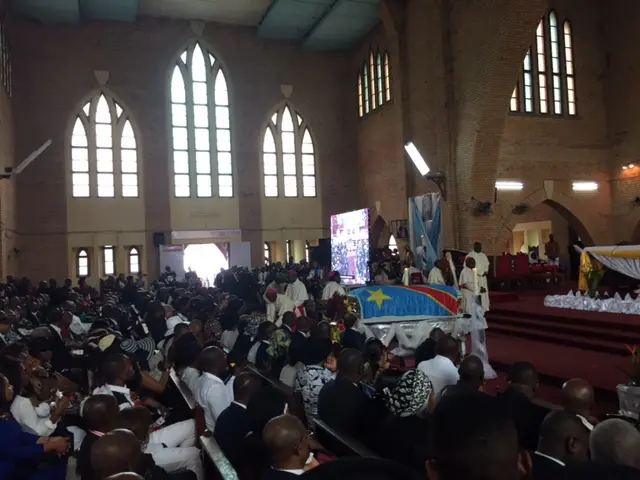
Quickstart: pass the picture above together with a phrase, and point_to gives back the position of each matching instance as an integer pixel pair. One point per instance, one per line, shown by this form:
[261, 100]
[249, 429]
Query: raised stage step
[558, 363]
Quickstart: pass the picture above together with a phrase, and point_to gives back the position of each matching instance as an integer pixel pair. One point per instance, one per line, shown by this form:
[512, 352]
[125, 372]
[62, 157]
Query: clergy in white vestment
[332, 287]
[469, 287]
[277, 305]
[436, 275]
[296, 291]
[482, 268]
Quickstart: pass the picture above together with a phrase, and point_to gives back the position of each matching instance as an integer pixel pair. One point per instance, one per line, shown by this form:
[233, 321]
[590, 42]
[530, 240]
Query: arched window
[104, 156]
[387, 77]
[306, 251]
[109, 260]
[365, 82]
[379, 79]
[288, 156]
[542, 68]
[267, 253]
[393, 244]
[372, 80]
[134, 260]
[360, 104]
[82, 263]
[568, 64]
[201, 127]
[555, 92]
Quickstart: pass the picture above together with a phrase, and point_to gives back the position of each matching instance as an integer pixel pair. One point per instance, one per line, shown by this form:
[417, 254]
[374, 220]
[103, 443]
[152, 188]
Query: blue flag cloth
[389, 303]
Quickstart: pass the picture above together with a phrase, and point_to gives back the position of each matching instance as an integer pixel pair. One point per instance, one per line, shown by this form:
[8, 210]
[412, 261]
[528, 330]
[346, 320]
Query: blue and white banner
[425, 229]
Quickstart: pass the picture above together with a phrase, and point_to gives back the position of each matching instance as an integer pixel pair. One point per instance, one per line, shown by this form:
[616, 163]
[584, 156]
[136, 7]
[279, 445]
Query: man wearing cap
[297, 292]
[277, 305]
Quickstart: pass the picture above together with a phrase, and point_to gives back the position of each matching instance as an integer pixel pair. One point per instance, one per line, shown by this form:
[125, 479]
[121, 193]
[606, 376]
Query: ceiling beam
[321, 20]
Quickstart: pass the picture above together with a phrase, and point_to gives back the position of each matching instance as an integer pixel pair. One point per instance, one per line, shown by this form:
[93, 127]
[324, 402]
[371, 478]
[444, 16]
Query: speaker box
[321, 253]
[159, 239]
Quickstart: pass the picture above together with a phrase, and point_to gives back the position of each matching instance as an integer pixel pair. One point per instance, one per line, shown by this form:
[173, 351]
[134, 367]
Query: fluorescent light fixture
[416, 158]
[509, 185]
[585, 186]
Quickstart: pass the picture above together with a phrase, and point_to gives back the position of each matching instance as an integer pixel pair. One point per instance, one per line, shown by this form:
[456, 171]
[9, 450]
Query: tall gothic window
[201, 127]
[288, 156]
[548, 63]
[374, 82]
[134, 260]
[104, 154]
[82, 263]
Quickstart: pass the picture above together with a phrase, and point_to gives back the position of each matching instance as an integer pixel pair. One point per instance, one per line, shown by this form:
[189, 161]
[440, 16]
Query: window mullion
[191, 141]
[279, 155]
[213, 131]
[298, 151]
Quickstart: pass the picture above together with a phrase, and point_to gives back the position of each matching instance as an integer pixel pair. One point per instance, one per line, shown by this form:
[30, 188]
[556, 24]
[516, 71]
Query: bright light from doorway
[206, 260]
[585, 186]
[508, 185]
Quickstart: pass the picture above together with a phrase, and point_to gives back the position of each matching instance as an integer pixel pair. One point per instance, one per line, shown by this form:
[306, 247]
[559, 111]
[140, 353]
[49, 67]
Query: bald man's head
[116, 452]
[98, 412]
[471, 371]
[577, 396]
[244, 386]
[213, 360]
[287, 442]
[563, 436]
[351, 365]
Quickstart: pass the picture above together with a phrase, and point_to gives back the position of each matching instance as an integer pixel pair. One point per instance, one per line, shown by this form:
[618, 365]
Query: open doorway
[206, 259]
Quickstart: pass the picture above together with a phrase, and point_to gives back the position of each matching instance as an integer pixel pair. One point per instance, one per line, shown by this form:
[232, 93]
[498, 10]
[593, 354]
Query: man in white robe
[277, 305]
[332, 287]
[296, 291]
[436, 277]
[482, 268]
[469, 288]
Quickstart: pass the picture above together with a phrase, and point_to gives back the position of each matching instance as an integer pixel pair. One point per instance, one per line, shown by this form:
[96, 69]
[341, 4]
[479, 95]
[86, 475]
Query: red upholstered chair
[521, 265]
[503, 266]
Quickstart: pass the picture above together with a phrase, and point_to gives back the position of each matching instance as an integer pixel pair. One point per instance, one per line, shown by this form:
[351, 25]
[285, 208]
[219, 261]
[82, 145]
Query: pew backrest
[183, 389]
[340, 443]
[212, 450]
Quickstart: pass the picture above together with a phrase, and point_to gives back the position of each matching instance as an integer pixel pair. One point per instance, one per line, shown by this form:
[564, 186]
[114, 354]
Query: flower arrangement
[634, 371]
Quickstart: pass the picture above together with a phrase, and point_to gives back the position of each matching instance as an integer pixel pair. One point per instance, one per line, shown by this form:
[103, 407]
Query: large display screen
[350, 246]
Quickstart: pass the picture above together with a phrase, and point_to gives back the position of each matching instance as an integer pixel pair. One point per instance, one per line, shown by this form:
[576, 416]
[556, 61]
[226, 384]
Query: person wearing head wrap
[408, 404]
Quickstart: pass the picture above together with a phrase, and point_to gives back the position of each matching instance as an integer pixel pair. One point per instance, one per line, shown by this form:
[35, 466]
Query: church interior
[257, 121]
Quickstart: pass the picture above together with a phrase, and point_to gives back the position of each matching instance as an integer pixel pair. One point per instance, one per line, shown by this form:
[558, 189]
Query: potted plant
[629, 394]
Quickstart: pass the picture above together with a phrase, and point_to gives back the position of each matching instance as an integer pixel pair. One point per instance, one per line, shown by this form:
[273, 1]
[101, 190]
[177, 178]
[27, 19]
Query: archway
[206, 259]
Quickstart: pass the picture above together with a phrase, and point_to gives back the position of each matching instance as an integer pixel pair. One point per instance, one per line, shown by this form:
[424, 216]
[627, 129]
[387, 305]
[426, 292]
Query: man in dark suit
[98, 412]
[61, 358]
[287, 443]
[233, 425]
[288, 320]
[299, 340]
[351, 337]
[5, 325]
[563, 440]
[341, 403]
[517, 400]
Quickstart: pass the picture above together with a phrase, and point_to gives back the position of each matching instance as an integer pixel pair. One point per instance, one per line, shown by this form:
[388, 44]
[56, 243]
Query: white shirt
[57, 330]
[295, 471]
[110, 389]
[190, 377]
[25, 414]
[297, 292]
[228, 339]
[253, 351]
[441, 371]
[213, 396]
[330, 289]
[288, 373]
[276, 309]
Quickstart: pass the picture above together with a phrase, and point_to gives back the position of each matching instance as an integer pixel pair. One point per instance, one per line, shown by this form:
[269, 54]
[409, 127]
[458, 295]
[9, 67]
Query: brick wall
[54, 71]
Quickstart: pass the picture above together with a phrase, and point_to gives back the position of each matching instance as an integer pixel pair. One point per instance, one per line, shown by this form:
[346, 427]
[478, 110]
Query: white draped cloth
[622, 258]
[616, 304]
[482, 267]
[477, 326]
[297, 292]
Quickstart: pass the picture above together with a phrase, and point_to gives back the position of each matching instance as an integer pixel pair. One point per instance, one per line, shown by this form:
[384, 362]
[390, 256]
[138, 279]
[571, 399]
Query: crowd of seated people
[86, 389]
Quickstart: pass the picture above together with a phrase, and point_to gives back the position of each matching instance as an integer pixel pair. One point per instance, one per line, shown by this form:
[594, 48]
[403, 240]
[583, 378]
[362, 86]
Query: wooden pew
[293, 398]
[210, 448]
[341, 444]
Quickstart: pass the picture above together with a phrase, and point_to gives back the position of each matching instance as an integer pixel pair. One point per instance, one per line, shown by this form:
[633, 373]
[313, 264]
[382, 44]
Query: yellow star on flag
[377, 296]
